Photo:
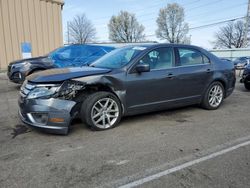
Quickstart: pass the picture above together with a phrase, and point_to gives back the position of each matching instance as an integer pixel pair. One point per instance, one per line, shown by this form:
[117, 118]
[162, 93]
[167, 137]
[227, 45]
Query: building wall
[231, 53]
[38, 22]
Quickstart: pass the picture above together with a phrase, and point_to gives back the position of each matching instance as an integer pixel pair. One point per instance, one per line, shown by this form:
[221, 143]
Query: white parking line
[184, 165]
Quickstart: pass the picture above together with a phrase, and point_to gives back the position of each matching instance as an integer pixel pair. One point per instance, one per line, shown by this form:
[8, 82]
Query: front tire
[213, 96]
[247, 86]
[101, 111]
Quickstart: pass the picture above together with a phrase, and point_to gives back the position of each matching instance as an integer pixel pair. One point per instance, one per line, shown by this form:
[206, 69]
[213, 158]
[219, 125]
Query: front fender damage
[104, 83]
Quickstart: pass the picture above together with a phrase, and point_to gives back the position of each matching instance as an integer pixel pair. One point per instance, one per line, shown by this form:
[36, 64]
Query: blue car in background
[68, 56]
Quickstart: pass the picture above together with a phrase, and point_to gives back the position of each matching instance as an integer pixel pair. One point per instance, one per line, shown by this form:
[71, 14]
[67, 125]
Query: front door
[151, 90]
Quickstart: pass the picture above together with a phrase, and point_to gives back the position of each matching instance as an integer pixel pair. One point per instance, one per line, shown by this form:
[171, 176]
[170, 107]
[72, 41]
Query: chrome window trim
[193, 65]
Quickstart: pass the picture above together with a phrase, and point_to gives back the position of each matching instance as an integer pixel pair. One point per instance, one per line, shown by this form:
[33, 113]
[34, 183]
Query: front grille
[26, 88]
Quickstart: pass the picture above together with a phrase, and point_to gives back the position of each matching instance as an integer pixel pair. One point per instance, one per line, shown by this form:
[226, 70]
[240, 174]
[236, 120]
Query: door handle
[171, 76]
[208, 70]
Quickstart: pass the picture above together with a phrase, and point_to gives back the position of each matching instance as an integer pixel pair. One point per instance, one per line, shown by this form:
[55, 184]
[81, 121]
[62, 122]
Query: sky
[197, 13]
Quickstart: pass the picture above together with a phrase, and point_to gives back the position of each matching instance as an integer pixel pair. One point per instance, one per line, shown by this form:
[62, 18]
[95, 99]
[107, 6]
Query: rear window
[191, 57]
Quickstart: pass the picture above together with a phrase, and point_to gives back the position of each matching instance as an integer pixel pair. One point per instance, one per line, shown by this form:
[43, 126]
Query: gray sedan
[127, 81]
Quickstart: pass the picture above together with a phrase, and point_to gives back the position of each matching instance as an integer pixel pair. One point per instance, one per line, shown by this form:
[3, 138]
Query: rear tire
[101, 111]
[213, 96]
[247, 86]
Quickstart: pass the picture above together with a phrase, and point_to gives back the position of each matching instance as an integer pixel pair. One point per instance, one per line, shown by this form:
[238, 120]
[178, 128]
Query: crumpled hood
[40, 58]
[61, 74]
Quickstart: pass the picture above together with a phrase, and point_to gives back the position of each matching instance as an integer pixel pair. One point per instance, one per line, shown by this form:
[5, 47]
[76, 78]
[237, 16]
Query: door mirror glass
[143, 68]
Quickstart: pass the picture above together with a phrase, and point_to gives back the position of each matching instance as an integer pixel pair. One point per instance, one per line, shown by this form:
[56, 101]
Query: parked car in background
[67, 56]
[241, 62]
[127, 81]
[225, 59]
[246, 77]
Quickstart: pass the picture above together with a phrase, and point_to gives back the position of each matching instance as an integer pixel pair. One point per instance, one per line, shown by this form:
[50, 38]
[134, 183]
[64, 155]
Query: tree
[81, 30]
[171, 25]
[125, 28]
[231, 35]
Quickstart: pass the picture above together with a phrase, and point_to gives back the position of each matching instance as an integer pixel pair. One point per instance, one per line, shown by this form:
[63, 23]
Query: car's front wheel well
[98, 87]
[89, 89]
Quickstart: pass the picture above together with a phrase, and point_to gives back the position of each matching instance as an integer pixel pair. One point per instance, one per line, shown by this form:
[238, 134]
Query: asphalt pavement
[185, 147]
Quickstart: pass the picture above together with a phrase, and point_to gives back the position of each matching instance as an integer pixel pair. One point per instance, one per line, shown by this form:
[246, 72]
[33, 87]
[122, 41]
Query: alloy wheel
[105, 113]
[215, 96]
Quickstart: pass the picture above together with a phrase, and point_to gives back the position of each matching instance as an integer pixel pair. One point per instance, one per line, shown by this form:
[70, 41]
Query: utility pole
[68, 30]
[247, 26]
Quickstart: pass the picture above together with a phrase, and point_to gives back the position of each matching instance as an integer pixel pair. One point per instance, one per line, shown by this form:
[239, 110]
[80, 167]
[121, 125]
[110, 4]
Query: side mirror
[143, 68]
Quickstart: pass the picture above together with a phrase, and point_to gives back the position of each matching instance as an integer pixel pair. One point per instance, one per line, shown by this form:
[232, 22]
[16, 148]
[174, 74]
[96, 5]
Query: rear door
[194, 72]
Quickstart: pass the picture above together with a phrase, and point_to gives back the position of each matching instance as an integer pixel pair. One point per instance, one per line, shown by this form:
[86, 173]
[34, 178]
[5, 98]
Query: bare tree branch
[125, 28]
[231, 35]
[171, 25]
[81, 30]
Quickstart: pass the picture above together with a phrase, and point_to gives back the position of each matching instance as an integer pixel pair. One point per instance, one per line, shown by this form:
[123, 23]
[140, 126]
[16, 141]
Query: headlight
[69, 88]
[20, 64]
[66, 90]
[44, 91]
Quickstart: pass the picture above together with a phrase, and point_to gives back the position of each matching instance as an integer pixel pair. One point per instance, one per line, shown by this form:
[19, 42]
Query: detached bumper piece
[51, 115]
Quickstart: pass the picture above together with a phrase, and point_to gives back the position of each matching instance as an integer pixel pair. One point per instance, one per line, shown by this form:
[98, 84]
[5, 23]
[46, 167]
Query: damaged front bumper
[52, 115]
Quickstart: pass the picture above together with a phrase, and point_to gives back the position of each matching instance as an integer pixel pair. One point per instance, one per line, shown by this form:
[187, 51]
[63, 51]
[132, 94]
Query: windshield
[79, 52]
[51, 54]
[118, 58]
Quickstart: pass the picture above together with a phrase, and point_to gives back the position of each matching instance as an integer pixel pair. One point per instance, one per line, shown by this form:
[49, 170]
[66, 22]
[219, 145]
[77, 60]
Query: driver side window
[161, 58]
[71, 52]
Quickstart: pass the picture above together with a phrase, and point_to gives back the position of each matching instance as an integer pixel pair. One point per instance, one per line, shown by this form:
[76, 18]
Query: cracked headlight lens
[40, 92]
[66, 90]
[69, 87]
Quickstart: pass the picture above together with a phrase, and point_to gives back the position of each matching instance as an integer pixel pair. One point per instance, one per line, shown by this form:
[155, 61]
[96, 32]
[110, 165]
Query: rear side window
[205, 59]
[191, 57]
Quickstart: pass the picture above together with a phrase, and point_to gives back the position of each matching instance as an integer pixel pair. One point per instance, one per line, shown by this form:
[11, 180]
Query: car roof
[95, 45]
[163, 44]
[149, 46]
